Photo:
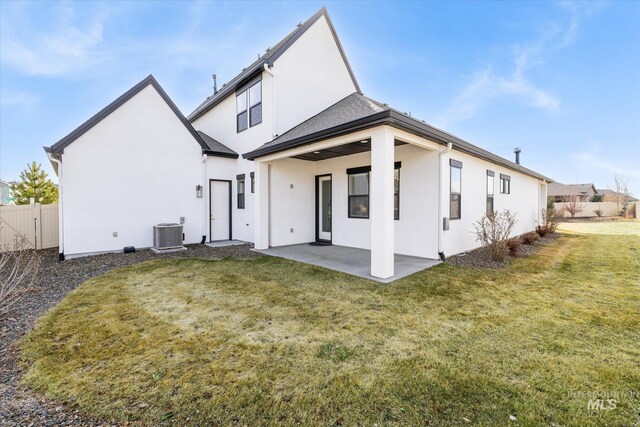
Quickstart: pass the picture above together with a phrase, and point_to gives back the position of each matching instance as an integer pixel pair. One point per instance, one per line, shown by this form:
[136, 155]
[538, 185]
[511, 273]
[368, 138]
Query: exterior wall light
[199, 191]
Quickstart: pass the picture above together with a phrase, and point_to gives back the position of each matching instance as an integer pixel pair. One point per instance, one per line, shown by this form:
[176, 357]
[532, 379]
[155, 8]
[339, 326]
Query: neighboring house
[5, 193]
[562, 192]
[289, 151]
[614, 195]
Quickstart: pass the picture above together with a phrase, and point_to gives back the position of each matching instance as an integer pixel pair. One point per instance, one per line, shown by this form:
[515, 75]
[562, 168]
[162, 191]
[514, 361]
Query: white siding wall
[416, 230]
[310, 76]
[524, 200]
[137, 167]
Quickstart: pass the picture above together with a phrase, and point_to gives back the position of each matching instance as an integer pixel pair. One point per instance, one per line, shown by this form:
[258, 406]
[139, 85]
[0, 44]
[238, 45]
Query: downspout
[205, 189]
[60, 210]
[269, 71]
[441, 153]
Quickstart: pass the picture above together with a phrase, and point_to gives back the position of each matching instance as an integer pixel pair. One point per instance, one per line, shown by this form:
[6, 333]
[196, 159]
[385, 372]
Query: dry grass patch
[274, 342]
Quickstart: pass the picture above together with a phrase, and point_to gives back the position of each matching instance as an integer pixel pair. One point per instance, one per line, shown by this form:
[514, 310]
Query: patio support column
[381, 203]
[261, 210]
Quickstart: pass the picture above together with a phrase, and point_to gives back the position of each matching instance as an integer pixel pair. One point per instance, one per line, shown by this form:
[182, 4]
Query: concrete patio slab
[349, 260]
[223, 243]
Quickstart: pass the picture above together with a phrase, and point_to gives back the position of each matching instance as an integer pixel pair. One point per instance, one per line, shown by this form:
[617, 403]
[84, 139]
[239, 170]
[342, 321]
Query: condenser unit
[167, 237]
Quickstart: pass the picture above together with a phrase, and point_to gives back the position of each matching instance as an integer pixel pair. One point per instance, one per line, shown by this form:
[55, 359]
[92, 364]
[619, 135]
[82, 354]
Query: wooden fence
[38, 223]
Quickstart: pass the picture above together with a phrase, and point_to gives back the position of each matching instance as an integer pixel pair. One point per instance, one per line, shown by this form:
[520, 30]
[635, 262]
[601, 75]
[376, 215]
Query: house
[290, 151]
[612, 195]
[5, 193]
[562, 192]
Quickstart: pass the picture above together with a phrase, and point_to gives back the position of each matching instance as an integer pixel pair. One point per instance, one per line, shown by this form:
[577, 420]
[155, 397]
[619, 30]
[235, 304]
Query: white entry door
[220, 210]
[324, 208]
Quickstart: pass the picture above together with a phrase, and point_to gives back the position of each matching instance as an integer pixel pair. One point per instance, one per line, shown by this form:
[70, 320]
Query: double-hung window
[358, 206]
[240, 179]
[455, 189]
[490, 186]
[505, 184]
[249, 106]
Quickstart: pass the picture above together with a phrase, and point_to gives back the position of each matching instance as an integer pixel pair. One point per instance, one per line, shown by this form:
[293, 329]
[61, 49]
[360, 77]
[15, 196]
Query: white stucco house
[289, 151]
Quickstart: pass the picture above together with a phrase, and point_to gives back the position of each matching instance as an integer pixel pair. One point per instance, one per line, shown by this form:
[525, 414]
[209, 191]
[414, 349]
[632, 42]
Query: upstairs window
[240, 179]
[455, 189]
[505, 184]
[249, 106]
[490, 186]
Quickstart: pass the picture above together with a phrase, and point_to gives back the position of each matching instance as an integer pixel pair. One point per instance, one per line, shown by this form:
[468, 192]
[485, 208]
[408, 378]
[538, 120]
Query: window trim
[507, 180]
[458, 165]
[240, 196]
[367, 169]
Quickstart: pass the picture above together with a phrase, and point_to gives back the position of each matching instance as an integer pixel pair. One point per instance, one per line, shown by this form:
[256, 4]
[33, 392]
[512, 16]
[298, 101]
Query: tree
[573, 205]
[35, 184]
[620, 195]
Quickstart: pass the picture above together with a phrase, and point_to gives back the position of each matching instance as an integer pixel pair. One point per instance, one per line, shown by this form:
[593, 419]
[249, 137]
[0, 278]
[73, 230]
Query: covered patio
[349, 260]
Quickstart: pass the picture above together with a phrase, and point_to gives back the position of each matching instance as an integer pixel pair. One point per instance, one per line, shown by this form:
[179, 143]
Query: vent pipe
[215, 84]
[517, 150]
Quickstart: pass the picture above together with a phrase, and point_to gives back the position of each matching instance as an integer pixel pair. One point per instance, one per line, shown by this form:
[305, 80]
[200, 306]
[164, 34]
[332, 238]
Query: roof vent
[517, 150]
[215, 83]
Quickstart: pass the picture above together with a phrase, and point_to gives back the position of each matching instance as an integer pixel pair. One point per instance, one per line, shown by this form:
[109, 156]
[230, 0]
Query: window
[490, 185]
[240, 179]
[455, 189]
[253, 182]
[249, 106]
[359, 191]
[359, 195]
[505, 184]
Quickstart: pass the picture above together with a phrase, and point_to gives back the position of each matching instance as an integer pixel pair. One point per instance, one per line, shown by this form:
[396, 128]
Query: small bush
[514, 246]
[493, 230]
[551, 218]
[598, 212]
[530, 238]
[542, 230]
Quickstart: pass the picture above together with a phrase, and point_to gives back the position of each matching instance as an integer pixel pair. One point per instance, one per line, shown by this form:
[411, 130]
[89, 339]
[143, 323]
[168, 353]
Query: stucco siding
[137, 167]
[524, 200]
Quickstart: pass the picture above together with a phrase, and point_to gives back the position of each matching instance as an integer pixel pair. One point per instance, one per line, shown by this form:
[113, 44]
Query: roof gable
[269, 58]
[58, 147]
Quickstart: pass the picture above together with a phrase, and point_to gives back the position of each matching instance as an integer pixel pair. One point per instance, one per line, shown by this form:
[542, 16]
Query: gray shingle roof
[558, 189]
[216, 148]
[356, 112]
[353, 107]
[269, 58]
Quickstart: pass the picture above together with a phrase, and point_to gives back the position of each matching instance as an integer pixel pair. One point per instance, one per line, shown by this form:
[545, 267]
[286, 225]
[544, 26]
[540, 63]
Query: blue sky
[560, 80]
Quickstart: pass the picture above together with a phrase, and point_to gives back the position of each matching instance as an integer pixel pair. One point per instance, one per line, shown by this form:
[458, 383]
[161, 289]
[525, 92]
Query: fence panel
[38, 223]
[589, 208]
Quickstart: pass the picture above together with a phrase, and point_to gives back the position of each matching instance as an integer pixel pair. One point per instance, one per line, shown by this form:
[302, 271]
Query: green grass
[274, 342]
[618, 227]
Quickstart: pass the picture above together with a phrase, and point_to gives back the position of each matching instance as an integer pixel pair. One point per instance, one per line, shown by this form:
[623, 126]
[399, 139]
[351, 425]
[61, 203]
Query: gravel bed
[481, 258]
[19, 406]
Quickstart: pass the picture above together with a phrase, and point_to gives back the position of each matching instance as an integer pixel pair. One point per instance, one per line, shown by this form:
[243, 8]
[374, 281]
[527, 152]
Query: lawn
[619, 227]
[268, 341]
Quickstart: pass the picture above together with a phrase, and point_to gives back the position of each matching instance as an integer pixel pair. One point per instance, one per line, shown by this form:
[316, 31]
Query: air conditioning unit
[167, 237]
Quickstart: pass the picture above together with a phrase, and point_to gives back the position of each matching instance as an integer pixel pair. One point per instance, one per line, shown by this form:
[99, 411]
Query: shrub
[542, 230]
[493, 230]
[18, 268]
[598, 212]
[551, 219]
[530, 238]
[514, 246]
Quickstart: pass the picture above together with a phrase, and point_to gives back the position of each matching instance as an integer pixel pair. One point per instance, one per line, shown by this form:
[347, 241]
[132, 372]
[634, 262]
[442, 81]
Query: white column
[381, 203]
[261, 205]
